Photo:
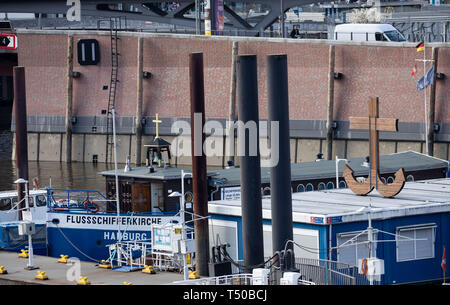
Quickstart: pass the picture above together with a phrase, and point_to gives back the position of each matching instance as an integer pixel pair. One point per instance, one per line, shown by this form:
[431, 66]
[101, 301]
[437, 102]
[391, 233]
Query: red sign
[8, 41]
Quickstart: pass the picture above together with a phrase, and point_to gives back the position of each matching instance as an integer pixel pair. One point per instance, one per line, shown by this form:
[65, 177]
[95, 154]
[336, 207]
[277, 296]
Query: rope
[75, 247]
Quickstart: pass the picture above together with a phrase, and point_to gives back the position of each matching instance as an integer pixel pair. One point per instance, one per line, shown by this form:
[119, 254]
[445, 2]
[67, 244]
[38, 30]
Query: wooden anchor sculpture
[374, 124]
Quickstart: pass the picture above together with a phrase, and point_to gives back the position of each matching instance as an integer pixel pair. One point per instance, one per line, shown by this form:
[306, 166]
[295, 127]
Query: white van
[367, 32]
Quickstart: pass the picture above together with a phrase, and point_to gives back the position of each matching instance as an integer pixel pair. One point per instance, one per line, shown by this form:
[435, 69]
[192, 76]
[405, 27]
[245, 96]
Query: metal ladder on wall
[115, 24]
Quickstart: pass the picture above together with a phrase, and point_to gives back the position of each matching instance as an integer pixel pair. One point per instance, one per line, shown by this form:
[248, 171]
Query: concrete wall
[369, 69]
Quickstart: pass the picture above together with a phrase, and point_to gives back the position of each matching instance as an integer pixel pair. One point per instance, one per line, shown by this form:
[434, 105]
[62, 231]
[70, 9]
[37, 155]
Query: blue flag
[429, 77]
[420, 84]
[426, 80]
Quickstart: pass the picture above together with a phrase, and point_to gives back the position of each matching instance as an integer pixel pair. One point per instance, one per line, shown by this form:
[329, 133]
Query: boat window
[300, 188]
[394, 36]
[309, 187]
[410, 178]
[40, 201]
[266, 191]
[30, 201]
[321, 186]
[5, 204]
[390, 180]
[330, 185]
[342, 184]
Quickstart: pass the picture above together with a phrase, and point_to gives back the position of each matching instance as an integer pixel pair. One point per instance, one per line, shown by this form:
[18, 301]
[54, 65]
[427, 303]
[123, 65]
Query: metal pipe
[251, 202]
[331, 60]
[69, 100]
[199, 176]
[20, 116]
[139, 103]
[280, 173]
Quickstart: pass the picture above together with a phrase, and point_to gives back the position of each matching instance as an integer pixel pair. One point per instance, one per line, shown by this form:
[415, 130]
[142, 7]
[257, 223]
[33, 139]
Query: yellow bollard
[3, 270]
[24, 253]
[83, 281]
[127, 283]
[193, 275]
[64, 259]
[41, 275]
[148, 269]
[105, 264]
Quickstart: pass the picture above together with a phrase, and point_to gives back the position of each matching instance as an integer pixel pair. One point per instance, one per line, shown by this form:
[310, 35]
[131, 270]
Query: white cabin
[9, 208]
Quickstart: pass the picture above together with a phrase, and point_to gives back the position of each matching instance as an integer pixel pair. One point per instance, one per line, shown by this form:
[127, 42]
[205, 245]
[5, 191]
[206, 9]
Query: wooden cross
[157, 122]
[374, 124]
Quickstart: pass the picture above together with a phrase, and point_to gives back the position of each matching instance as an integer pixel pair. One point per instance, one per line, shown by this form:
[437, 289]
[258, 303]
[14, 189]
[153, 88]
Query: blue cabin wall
[406, 271]
[322, 230]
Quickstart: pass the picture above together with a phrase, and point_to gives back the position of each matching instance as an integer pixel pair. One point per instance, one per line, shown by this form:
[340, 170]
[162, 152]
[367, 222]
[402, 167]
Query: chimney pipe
[199, 176]
[280, 173]
[250, 163]
[20, 119]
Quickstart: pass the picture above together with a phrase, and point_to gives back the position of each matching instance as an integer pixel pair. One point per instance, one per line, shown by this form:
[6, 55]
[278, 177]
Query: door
[157, 190]
[141, 197]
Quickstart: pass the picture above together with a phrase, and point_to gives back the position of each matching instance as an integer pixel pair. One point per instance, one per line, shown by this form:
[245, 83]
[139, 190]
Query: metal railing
[232, 279]
[325, 272]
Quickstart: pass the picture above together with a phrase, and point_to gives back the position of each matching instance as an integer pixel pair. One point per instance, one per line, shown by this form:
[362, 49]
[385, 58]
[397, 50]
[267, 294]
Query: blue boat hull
[86, 236]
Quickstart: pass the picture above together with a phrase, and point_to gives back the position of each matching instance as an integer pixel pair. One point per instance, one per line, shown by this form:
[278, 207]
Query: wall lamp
[76, 74]
[436, 127]
[440, 75]
[338, 75]
[146, 75]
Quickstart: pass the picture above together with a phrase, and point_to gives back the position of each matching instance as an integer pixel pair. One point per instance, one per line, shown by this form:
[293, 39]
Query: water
[75, 175]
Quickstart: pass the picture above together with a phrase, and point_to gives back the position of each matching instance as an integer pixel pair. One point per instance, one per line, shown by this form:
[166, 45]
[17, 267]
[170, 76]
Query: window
[88, 52]
[415, 243]
[390, 180]
[394, 36]
[300, 188]
[321, 186]
[356, 249]
[40, 201]
[5, 204]
[309, 187]
[330, 185]
[342, 184]
[410, 178]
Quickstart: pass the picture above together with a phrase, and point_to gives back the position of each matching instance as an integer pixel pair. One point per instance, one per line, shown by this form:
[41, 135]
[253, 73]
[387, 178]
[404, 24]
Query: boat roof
[409, 161]
[13, 193]
[160, 173]
[342, 205]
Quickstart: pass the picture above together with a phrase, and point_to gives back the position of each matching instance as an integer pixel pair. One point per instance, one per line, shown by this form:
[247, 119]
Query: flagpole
[425, 99]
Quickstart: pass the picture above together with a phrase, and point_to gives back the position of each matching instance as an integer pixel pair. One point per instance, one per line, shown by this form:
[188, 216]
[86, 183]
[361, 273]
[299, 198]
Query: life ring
[93, 207]
[364, 266]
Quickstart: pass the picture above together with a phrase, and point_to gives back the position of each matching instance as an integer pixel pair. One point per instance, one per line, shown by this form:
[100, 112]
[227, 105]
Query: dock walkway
[65, 274]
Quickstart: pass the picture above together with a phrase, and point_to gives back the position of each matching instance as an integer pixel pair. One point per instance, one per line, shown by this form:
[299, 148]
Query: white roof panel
[422, 197]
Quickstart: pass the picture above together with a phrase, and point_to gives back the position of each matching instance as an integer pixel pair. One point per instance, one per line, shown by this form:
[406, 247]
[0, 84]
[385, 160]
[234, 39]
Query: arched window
[342, 185]
[309, 187]
[300, 188]
[410, 178]
[384, 180]
[321, 186]
[390, 179]
[330, 185]
[266, 191]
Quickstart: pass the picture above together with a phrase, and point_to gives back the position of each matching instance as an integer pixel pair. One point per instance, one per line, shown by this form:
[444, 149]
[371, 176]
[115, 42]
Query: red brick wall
[381, 71]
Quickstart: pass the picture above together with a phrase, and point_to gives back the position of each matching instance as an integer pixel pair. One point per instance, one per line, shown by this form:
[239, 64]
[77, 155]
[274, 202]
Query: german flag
[420, 47]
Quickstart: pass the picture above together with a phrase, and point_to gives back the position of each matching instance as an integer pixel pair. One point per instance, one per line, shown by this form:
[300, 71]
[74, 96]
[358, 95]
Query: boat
[84, 224]
[90, 226]
[10, 240]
